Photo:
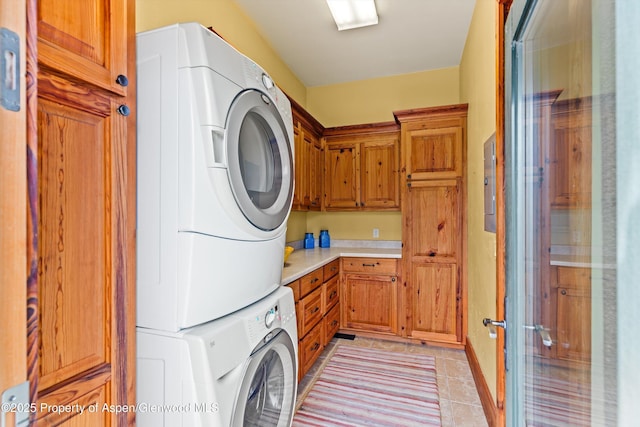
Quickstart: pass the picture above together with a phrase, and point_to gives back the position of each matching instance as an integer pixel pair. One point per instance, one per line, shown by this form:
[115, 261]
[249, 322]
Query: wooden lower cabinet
[318, 312]
[568, 315]
[369, 295]
[311, 345]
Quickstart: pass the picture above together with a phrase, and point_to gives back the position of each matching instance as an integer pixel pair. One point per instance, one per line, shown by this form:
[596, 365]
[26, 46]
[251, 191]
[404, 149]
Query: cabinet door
[300, 174]
[370, 303]
[380, 163]
[342, 176]
[432, 152]
[316, 167]
[435, 301]
[570, 152]
[431, 257]
[86, 210]
[573, 324]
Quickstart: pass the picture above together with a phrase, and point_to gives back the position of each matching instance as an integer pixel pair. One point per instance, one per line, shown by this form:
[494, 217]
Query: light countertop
[303, 261]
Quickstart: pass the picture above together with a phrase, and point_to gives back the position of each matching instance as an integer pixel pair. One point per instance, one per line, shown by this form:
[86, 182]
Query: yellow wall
[478, 89]
[374, 100]
[232, 24]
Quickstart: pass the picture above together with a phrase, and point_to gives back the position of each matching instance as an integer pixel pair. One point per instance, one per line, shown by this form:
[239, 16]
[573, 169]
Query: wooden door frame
[13, 218]
[502, 12]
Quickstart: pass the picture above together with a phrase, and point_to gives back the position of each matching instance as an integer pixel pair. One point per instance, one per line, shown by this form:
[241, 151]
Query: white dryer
[240, 370]
[214, 178]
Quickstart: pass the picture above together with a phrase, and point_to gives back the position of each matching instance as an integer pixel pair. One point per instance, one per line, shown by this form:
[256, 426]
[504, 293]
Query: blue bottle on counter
[325, 240]
[308, 241]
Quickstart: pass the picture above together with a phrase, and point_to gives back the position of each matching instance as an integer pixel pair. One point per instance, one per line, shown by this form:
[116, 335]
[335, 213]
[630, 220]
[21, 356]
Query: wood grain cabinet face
[362, 171]
[433, 143]
[85, 164]
[568, 316]
[309, 161]
[570, 154]
[370, 301]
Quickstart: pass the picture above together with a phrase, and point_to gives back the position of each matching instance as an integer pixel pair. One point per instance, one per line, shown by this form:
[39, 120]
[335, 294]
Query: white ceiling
[412, 36]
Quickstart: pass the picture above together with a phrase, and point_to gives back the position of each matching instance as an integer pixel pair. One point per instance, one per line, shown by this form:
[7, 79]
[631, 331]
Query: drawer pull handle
[368, 265]
[315, 309]
[314, 280]
[332, 295]
[315, 346]
[334, 323]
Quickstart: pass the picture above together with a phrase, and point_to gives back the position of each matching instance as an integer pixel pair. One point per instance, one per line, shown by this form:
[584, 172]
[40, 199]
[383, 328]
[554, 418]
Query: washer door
[268, 391]
[259, 160]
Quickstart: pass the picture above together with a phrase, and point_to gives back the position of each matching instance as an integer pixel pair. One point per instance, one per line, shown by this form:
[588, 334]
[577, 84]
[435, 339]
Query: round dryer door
[259, 160]
[268, 391]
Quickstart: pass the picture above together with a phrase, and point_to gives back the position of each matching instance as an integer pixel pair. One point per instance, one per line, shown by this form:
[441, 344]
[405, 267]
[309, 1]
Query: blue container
[325, 240]
[309, 242]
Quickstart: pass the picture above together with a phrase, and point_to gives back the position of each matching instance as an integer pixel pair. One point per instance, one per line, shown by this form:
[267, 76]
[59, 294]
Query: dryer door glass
[267, 394]
[259, 160]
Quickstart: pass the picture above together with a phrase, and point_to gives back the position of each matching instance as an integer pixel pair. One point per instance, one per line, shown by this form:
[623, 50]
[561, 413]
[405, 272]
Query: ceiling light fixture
[350, 14]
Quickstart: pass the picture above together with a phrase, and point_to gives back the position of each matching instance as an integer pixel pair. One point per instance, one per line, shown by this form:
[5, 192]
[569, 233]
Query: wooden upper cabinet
[362, 166]
[309, 167]
[342, 175]
[85, 39]
[570, 153]
[432, 141]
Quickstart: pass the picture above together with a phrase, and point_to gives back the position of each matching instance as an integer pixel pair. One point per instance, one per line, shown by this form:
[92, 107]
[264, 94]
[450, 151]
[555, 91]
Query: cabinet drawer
[310, 311]
[330, 294]
[295, 287]
[331, 324]
[310, 348]
[331, 269]
[369, 265]
[311, 281]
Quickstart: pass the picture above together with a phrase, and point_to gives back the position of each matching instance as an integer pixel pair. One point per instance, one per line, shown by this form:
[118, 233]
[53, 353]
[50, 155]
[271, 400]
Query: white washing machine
[214, 178]
[240, 370]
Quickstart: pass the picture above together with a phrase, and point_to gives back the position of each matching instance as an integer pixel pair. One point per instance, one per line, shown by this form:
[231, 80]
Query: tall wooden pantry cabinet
[433, 147]
[81, 173]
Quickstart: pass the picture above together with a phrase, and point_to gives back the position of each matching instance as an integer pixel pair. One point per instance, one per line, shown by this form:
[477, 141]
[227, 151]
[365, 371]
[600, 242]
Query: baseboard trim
[488, 404]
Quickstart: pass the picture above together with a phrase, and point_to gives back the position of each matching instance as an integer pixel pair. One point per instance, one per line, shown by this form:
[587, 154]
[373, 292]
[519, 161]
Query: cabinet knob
[124, 110]
[563, 292]
[122, 80]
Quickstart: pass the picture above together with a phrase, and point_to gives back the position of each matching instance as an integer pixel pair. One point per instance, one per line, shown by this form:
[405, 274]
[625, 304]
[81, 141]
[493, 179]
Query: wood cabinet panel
[331, 324]
[570, 154]
[362, 166]
[434, 153]
[74, 280]
[310, 311]
[573, 324]
[380, 165]
[370, 302]
[435, 219]
[84, 228]
[433, 144]
[330, 294]
[316, 166]
[309, 160]
[331, 269]
[85, 39]
[435, 309]
[310, 281]
[370, 265]
[342, 176]
[310, 348]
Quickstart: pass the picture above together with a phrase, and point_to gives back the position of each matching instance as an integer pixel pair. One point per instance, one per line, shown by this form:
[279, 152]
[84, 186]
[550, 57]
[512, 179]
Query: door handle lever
[492, 324]
[544, 334]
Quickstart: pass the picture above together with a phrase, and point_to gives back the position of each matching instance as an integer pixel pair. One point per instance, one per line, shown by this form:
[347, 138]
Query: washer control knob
[269, 318]
[267, 82]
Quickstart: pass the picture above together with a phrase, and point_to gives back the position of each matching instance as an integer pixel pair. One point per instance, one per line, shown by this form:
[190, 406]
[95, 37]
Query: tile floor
[459, 401]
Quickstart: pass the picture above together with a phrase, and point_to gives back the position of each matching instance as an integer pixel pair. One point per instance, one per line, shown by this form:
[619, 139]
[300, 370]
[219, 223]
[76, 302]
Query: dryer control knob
[267, 82]
[269, 318]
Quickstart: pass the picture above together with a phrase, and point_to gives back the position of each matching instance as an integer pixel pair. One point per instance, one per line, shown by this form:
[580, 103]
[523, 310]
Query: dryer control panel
[278, 316]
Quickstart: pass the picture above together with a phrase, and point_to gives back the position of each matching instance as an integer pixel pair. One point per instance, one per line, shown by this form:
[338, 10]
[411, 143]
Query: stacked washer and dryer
[216, 333]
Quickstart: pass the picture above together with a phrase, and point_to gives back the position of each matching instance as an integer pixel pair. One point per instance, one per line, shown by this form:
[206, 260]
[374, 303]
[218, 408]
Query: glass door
[560, 169]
